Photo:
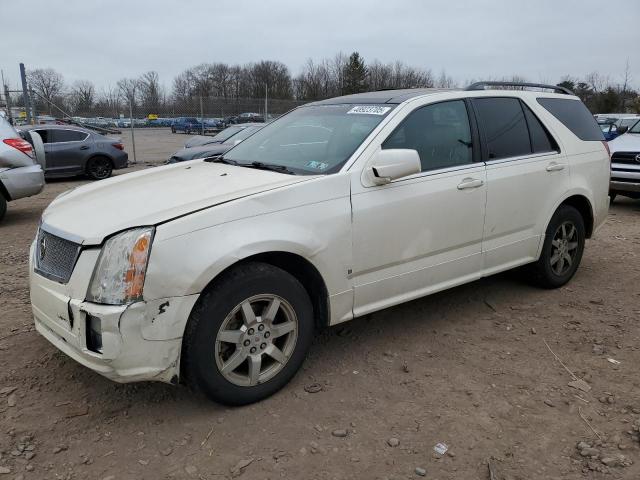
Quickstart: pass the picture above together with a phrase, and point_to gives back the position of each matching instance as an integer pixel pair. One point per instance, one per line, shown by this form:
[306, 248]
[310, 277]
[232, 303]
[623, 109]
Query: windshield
[244, 133]
[635, 128]
[311, 140]
[226, 134]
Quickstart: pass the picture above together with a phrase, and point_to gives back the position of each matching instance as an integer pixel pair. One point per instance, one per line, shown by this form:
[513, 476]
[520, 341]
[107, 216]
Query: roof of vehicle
[382, 96]
[56, 127]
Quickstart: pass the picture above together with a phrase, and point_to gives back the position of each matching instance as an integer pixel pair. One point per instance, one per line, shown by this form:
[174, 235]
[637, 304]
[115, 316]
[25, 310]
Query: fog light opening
[94, 334]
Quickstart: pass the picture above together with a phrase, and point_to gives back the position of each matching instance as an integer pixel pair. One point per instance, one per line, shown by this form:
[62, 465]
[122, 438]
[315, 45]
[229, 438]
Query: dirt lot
[468, 368]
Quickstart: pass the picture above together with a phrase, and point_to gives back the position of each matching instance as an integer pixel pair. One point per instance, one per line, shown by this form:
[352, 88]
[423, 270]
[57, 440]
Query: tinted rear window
[541, 139]
[575, 116]
[67, 136]
[504, 126]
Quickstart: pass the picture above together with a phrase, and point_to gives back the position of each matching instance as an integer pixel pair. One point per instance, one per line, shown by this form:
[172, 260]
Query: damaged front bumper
[125, 343]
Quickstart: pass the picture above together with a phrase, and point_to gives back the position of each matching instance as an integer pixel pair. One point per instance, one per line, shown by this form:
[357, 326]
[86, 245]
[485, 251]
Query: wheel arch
[301, 269]
[583, 205]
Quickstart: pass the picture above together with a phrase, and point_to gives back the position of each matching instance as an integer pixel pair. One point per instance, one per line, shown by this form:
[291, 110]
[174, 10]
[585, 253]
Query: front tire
[99, 168]
[3, 207]
[562, 250]
[248, 335]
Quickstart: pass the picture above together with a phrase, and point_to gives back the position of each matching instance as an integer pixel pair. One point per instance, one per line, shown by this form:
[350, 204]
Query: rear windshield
[575, 116]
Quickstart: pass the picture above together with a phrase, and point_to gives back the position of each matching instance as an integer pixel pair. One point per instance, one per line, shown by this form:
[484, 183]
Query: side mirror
[389, 165]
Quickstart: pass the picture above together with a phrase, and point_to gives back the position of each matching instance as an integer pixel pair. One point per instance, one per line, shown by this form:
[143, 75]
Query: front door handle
[84, 147]
[555, 167]
[470, 183]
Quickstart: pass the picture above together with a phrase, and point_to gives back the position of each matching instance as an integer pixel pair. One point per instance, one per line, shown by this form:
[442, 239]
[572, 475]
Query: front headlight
[118, 277]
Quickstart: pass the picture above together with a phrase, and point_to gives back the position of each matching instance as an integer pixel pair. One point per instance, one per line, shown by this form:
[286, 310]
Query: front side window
[504, 126]
[440, 133]
[68, 136]
[311, 140]
[635, 128]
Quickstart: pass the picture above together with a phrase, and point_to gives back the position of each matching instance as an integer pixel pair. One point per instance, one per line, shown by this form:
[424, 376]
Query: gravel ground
[468, 368]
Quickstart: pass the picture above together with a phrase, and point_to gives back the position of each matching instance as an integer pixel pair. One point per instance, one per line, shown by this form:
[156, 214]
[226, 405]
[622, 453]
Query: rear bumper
[22, 181]
[121, 161]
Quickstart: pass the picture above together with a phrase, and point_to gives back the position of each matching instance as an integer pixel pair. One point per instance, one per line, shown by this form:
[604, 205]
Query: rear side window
[541, 139]
[504, 126]
[44, 134]
[575, 116]
[67, 136]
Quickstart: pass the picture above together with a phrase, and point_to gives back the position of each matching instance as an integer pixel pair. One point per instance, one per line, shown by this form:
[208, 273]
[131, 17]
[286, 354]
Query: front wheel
[562, 249]
[99, 168]
[248, 334]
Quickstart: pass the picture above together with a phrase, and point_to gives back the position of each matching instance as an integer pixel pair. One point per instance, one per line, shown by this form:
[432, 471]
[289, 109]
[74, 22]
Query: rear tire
[3, 207]
[173, 130]
[562, 250]
[612, 197]
[99, 168]
[248, 335]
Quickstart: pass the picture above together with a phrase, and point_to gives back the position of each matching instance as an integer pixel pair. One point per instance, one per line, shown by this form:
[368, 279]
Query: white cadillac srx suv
[216, 272]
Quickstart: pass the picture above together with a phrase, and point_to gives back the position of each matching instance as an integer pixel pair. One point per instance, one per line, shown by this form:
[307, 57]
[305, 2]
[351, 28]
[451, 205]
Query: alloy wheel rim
[256, 340]
[100, 169]
[564, 248]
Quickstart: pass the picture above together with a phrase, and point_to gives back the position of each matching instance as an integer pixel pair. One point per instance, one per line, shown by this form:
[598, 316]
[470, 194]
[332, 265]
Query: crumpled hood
[94, 211]
[627, 142]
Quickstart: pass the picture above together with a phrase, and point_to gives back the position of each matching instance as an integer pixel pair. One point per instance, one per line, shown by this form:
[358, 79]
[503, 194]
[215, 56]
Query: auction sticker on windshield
[369, 110]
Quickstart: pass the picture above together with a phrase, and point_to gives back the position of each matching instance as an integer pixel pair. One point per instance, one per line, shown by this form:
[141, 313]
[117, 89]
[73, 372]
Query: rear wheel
[612, 197]
[173, 130]
[3, 207]
[99, 168]
[562, 249]
[248, 335]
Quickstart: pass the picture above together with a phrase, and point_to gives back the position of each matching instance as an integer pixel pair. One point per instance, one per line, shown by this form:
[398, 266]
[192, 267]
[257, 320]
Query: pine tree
[355, 75]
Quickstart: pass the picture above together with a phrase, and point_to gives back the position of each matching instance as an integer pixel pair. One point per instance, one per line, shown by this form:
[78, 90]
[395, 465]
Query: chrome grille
[55, 256]
[632, 158]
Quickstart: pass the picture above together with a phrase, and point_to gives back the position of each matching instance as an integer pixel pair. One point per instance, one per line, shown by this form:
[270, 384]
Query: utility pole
[25, 94]
[133, 140]
[265, 101]
[201, 116]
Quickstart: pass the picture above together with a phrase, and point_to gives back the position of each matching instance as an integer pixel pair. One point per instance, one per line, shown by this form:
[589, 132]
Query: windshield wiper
[268, 166]
[220, 159]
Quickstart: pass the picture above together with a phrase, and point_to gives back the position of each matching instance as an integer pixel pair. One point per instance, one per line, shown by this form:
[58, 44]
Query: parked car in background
[186, 125]
[625, 164]
[221, 137]
[21, 173]
[210, 150]
[72, 151]
[609, 129]
[244, 118]
[217, 273]
[213, 124]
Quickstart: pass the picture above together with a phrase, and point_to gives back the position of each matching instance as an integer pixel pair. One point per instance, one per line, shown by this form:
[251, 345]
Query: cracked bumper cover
[140, 341]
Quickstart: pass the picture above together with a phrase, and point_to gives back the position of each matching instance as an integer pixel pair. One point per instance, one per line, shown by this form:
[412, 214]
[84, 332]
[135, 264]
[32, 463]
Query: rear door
[67, 151]
[526, 176]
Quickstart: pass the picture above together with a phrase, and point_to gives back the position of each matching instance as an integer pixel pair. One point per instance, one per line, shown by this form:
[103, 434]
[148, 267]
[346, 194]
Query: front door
[66, 151]
[423, 233]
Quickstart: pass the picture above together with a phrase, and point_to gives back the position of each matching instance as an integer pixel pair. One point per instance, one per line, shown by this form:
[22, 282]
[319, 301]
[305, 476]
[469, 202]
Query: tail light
[119, 146]
[20, 144]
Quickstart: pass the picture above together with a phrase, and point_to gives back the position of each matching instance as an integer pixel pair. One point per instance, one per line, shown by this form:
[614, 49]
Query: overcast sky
[103, 41]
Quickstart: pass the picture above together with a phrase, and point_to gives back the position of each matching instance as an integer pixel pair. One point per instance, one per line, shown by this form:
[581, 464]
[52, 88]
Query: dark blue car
[187, 125]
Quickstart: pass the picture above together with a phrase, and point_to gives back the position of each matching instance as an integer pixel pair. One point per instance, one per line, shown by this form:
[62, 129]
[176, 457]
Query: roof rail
[555, 88]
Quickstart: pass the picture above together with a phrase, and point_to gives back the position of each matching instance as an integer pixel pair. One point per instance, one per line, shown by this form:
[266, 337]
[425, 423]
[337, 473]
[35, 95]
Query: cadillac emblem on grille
[43, 247]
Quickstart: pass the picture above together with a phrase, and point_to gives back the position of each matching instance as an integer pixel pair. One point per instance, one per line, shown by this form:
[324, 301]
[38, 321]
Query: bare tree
[150, 91]
[127, 87]
[82, 96]
[48, 84]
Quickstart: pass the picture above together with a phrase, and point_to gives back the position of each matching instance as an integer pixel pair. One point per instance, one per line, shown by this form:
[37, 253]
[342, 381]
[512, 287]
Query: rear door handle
[470, 183]
[555, 167]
